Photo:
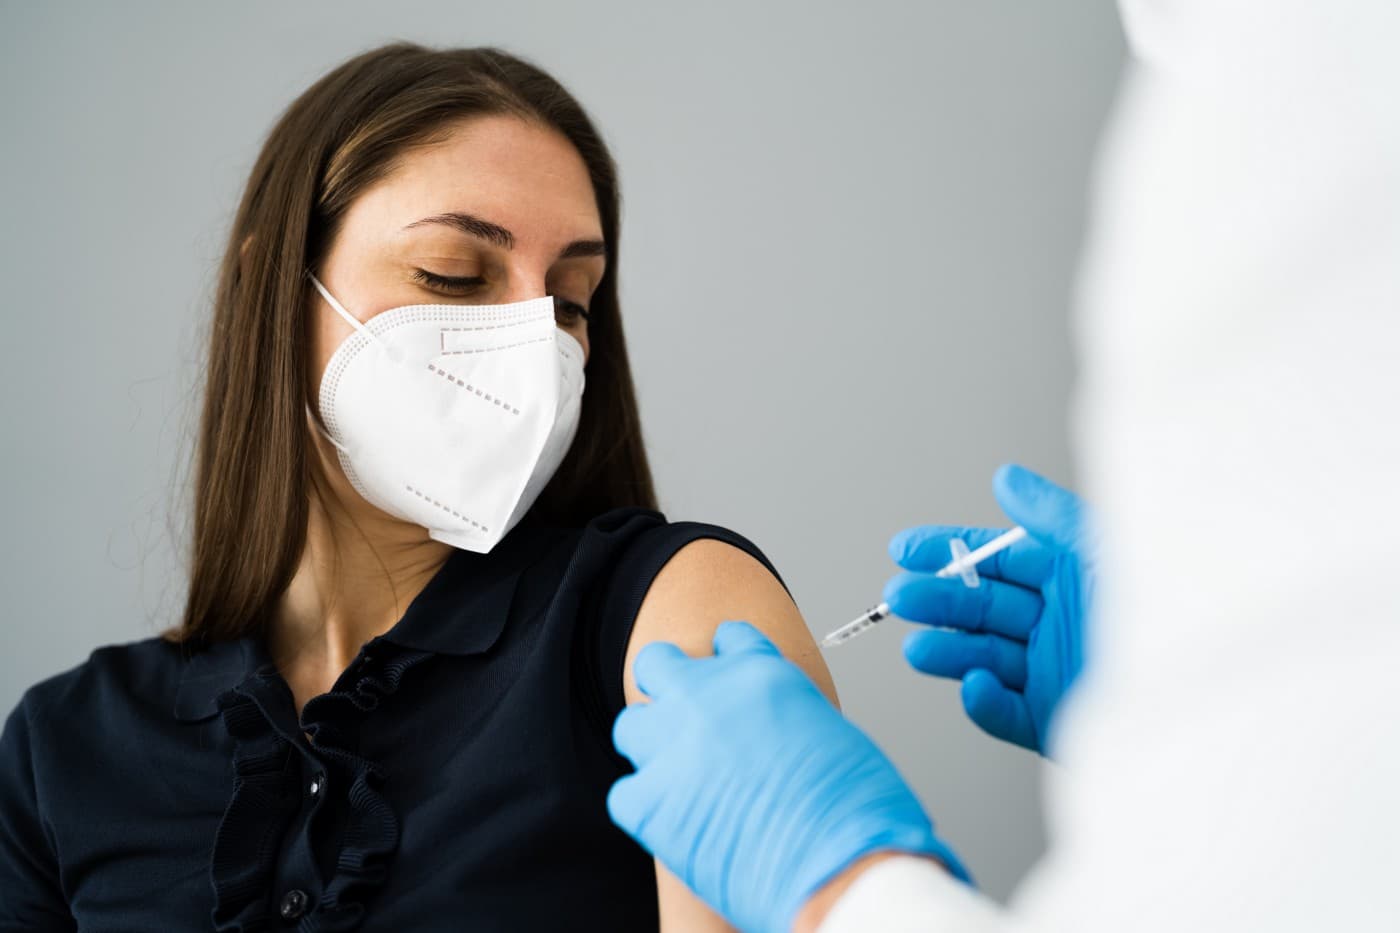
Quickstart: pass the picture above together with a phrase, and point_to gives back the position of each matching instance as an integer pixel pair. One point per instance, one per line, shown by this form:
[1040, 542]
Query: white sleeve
[1231, 758]
[910, 895]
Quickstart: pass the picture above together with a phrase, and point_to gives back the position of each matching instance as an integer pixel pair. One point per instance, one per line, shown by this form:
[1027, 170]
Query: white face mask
[453, 417]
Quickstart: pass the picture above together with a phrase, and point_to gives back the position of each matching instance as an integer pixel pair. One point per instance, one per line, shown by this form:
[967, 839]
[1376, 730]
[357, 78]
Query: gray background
[848, 244]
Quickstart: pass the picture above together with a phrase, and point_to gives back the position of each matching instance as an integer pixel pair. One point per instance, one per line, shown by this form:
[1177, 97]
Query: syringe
[964, 564]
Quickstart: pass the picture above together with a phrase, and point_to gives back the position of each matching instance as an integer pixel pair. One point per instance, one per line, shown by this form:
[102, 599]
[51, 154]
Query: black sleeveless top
[456, 782]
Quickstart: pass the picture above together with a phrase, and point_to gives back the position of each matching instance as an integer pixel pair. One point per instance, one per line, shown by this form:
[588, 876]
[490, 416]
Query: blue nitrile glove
[1019, 635]
[750, 786]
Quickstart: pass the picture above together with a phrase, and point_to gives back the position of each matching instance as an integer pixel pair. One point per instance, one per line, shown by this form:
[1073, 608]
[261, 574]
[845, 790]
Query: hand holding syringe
[964, 564]
[1015, 635]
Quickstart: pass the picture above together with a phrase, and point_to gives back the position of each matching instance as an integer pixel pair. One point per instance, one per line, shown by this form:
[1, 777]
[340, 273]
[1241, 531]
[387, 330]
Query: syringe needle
[853, 628]
[963, 564]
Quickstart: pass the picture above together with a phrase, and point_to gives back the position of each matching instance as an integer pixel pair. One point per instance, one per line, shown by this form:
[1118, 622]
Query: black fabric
[456, 776]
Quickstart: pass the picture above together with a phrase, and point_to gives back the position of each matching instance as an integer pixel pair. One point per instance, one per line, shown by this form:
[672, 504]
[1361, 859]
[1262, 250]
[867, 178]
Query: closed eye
[568, 312]
[448, 283]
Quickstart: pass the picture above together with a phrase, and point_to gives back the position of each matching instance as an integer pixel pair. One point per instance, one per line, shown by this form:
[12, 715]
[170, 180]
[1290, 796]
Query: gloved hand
[1018, 639]
[750, 786]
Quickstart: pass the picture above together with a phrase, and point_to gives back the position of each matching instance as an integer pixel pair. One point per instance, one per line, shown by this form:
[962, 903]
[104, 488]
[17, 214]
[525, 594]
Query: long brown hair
[253, 468]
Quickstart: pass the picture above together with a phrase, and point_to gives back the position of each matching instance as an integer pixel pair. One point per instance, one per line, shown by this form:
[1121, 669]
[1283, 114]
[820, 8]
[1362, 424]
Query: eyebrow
[495, 233]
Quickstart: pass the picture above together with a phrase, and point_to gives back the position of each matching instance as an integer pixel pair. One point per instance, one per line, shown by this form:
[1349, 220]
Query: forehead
[508, 170]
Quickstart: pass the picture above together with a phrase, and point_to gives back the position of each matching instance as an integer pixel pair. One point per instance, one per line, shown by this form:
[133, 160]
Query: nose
[526, 280]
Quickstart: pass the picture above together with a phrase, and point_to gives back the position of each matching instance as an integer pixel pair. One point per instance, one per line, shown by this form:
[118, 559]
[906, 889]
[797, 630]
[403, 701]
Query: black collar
[462, 611]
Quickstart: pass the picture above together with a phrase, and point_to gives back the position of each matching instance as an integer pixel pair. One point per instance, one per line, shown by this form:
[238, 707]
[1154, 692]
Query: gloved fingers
[953, 654]
[640, 730]
[736, 637]
[998, 711]
[631, 801]
[1049, 513]
[658, 666]
[994, 606]
[926, 548]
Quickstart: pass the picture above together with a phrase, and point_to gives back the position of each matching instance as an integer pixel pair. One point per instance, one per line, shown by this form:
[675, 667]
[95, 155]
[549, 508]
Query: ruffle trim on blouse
[267, 794]
[264, 800]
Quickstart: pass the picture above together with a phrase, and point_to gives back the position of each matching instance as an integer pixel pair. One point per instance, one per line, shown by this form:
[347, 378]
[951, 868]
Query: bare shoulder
[708, 582]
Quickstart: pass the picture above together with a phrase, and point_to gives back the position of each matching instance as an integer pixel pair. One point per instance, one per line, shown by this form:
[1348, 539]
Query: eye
[446, 283]
[567, 313]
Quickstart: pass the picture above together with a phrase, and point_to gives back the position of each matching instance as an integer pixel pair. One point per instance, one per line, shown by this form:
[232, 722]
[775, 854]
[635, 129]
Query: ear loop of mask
[369, 335]
[315, 423]
[352, 320]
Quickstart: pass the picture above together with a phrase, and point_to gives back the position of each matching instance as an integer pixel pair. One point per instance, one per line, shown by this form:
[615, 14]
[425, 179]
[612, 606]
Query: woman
[424, 555]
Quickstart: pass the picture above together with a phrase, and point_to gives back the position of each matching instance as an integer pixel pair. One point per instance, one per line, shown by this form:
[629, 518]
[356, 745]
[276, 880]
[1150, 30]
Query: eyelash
[461, 285]
[447, 283]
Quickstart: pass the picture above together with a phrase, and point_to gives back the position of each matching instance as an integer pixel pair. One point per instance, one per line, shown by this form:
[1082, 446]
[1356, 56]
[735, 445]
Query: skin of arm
[708, 582]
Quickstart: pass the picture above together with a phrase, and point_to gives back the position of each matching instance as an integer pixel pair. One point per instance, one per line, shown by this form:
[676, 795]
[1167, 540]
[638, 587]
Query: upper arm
[708, 582]
[30, 896]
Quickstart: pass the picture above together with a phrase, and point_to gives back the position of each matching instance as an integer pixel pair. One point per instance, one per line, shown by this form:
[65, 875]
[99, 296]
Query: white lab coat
[1231, 760]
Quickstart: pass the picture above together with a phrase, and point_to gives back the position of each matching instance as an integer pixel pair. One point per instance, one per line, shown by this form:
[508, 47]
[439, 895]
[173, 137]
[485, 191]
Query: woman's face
[502, 211]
